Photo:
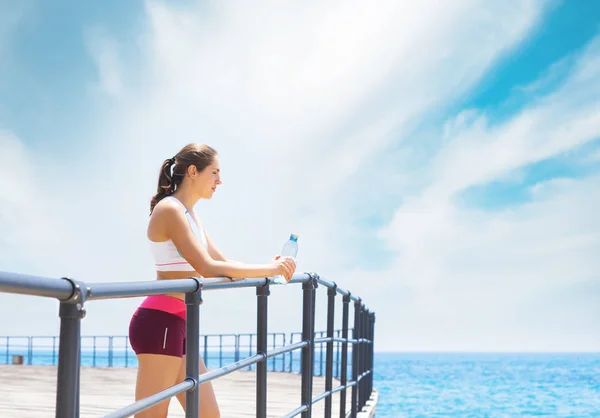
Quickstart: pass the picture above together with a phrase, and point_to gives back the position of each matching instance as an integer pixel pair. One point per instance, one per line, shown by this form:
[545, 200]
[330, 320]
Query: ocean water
[409, 385]
[488, 385]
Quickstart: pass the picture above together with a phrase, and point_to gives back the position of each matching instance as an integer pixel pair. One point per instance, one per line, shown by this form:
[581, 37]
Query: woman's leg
[156, 372]
[208, 401]
[157, 339]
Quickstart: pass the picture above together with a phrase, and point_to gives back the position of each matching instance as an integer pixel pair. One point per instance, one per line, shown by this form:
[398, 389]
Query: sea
[423, 384]
[488, 385]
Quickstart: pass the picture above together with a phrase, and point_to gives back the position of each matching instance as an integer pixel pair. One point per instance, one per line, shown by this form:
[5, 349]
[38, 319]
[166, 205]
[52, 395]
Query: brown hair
[199, 155]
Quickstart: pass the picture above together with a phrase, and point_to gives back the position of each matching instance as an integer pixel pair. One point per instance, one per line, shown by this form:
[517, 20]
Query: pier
[29, 391]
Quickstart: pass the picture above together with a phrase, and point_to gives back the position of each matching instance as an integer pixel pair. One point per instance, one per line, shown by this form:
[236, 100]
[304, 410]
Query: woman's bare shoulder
[166, 211]
[166, 207]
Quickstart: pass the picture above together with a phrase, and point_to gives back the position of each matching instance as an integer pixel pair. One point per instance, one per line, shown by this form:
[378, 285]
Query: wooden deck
[30, 391]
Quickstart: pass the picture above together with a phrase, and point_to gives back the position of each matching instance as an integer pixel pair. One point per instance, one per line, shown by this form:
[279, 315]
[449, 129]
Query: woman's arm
[177, 229]
[213, 251]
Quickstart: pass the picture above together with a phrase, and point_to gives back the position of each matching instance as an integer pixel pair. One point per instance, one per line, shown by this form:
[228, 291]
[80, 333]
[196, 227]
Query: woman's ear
[192, 171]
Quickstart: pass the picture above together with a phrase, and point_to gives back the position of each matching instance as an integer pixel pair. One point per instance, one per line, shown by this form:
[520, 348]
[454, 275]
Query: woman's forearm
[237, 270]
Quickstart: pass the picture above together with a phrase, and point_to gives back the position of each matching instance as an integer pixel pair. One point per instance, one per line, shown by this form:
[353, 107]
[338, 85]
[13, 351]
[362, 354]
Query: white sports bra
[165, 254]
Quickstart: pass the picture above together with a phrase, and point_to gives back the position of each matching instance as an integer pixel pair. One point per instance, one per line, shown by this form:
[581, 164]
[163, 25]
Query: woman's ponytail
[166, 185]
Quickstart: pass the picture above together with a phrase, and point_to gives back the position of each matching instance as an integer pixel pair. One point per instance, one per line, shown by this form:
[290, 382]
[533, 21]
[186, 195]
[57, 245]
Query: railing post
[250, 351]
[355, 359]
[331, 293]
[337, 355]
[94, 352]
[372, 338]
[30, 350]
[71, 312]
[274, 359]
[344, 374]
[363, 354]
[291, 353]
[193, 301]
[262, 294]
[110, 351]
[366, 356]
[321, 356]
[283, 357]
[369, 366]
[205, 345]
[308, 334]
[221, 350]
[313, 336]
[369, 356]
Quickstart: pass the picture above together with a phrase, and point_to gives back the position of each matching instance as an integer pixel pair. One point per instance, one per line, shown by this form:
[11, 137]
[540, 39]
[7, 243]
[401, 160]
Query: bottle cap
[294, 237]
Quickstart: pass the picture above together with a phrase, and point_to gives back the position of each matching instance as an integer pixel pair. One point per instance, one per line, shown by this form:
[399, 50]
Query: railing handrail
[63, 288]
[73, 295]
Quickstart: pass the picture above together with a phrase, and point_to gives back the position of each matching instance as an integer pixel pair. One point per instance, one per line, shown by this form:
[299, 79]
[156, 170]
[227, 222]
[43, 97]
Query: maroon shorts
[157, 332]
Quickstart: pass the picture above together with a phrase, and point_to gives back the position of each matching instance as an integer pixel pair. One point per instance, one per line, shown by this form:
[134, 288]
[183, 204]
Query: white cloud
[479, 153]
[509, 276]
[23, 223]
[32, 240]
[298, 100]
[520, 279]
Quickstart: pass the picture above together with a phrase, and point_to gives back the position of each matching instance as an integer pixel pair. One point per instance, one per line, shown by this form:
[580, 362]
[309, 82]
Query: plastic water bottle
[290, 249]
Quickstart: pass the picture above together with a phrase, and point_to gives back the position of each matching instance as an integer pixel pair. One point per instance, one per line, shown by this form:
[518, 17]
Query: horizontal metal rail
[73, 295]
[301, 409]
[287, 349]
[338, 388]
[320, 397]
[159, 287]
[362, 376]
[152, 400]
[213, 374]
[341, 340]
[25, 284]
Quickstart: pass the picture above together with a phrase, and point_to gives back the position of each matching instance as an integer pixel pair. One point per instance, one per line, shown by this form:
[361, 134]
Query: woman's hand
[286, 266]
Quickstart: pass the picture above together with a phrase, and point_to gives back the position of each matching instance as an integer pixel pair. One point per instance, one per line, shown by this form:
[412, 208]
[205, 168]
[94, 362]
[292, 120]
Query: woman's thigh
[157, 339]
[156, 372]
[209, 407]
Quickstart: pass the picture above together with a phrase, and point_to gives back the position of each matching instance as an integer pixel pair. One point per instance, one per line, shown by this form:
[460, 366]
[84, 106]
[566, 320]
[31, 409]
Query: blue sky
[441, 160]
[567, 28]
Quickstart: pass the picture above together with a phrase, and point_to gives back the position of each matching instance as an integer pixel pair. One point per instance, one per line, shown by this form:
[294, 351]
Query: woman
[182, 248]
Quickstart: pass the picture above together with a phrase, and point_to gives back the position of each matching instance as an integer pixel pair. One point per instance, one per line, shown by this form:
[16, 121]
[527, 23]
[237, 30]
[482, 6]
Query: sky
[439, 159]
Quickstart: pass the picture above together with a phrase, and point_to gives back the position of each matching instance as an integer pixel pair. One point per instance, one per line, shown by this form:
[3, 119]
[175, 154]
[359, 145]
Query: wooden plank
[29, 391]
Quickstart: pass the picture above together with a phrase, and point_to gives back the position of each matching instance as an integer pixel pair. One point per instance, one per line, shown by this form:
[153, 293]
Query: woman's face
[207, 180]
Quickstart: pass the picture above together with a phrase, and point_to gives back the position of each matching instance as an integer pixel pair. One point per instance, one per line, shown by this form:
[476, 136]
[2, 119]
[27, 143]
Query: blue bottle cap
[294, 237]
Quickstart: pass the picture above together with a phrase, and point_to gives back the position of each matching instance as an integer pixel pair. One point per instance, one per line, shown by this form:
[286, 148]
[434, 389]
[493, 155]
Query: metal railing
[73, 295]
[216, 349]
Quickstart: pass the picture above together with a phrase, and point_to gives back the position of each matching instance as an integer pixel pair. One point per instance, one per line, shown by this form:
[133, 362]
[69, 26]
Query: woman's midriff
[176, 275]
